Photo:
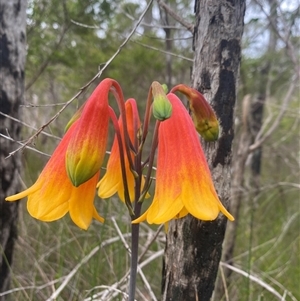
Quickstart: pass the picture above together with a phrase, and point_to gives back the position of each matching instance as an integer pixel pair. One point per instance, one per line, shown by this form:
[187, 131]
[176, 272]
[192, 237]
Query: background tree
[259, 91]
[12, 64]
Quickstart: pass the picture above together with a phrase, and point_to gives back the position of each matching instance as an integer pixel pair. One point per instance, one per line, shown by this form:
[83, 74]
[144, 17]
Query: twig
[29, 126]
[254, 279]
[163, 51]
[121, 236]
[150, 242]
[24, 146]
[35, 287]
[152, 25]
[188, 26]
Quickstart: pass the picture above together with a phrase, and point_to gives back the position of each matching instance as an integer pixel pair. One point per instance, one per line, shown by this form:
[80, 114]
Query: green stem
[151, 157]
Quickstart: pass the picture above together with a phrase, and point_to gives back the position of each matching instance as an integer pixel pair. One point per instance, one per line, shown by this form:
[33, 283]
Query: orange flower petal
[87, 145]
[53, 194]
[112, 182]
[183, 179]
[82, 212]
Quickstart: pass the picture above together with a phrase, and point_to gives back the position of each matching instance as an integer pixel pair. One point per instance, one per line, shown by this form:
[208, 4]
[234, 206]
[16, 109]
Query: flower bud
[204, 117]
[162, 108]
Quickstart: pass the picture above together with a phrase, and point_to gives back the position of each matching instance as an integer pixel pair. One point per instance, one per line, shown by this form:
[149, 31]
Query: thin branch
[31, 105]
[29, 126]
[85, 25]
[30, 287]
[23, 145]
[254, 279]
[170, 11]
[121, 236]
[163, 51]
[153, 25]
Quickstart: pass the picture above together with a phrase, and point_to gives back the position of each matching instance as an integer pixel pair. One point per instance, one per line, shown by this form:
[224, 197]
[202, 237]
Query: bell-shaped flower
[53, 194]
[204, 117]
[183, 180]
[87, 145]
[112, 182]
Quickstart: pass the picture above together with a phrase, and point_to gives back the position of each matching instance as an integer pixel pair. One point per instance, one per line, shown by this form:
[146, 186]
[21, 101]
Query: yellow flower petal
[81, 203]
[53, 194]
[183, 180]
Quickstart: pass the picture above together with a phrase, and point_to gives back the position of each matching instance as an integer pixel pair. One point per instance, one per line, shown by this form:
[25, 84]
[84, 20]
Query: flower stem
[135, 229]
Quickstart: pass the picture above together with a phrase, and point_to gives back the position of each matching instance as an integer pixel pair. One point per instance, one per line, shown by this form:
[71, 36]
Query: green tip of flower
[75, 179]
[165, 87]
[162, 108]
[209, 132]
[80, 172]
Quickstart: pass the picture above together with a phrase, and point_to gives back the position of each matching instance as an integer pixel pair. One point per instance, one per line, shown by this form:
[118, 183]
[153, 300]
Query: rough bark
[12, 61]
[193, 248]
[252, 120]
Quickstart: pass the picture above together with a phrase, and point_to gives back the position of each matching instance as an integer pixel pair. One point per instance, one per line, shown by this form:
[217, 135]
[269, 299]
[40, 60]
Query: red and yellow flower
[183, 180]
[53, 194]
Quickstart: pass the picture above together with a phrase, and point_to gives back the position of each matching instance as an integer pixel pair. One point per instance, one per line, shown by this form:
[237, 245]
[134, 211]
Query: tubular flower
[112, 181]
[53, 194]
[205, 119]
[183, 180]
[87, 145]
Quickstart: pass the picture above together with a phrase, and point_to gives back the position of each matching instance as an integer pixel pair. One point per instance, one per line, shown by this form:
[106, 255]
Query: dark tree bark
[12, 61]
[194, 248]
[252, 121]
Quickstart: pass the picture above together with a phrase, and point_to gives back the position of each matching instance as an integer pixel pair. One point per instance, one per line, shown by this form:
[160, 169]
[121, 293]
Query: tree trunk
[12, 61]
[252, 117]
[194, 247]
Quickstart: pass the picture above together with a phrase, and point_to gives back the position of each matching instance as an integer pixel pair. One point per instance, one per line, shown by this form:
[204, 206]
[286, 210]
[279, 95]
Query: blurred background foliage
[67, 42]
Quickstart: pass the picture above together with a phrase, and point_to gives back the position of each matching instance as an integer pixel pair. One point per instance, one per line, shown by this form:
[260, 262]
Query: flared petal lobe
[183, 180]
[112, 182]
[87, 145]
[53, 194]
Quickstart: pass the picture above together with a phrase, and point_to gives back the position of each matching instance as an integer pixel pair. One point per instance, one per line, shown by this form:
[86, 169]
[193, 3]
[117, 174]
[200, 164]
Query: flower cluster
[183, 183]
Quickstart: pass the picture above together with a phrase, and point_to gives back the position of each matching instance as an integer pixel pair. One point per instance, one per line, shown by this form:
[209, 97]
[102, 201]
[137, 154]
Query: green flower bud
[162, 108]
